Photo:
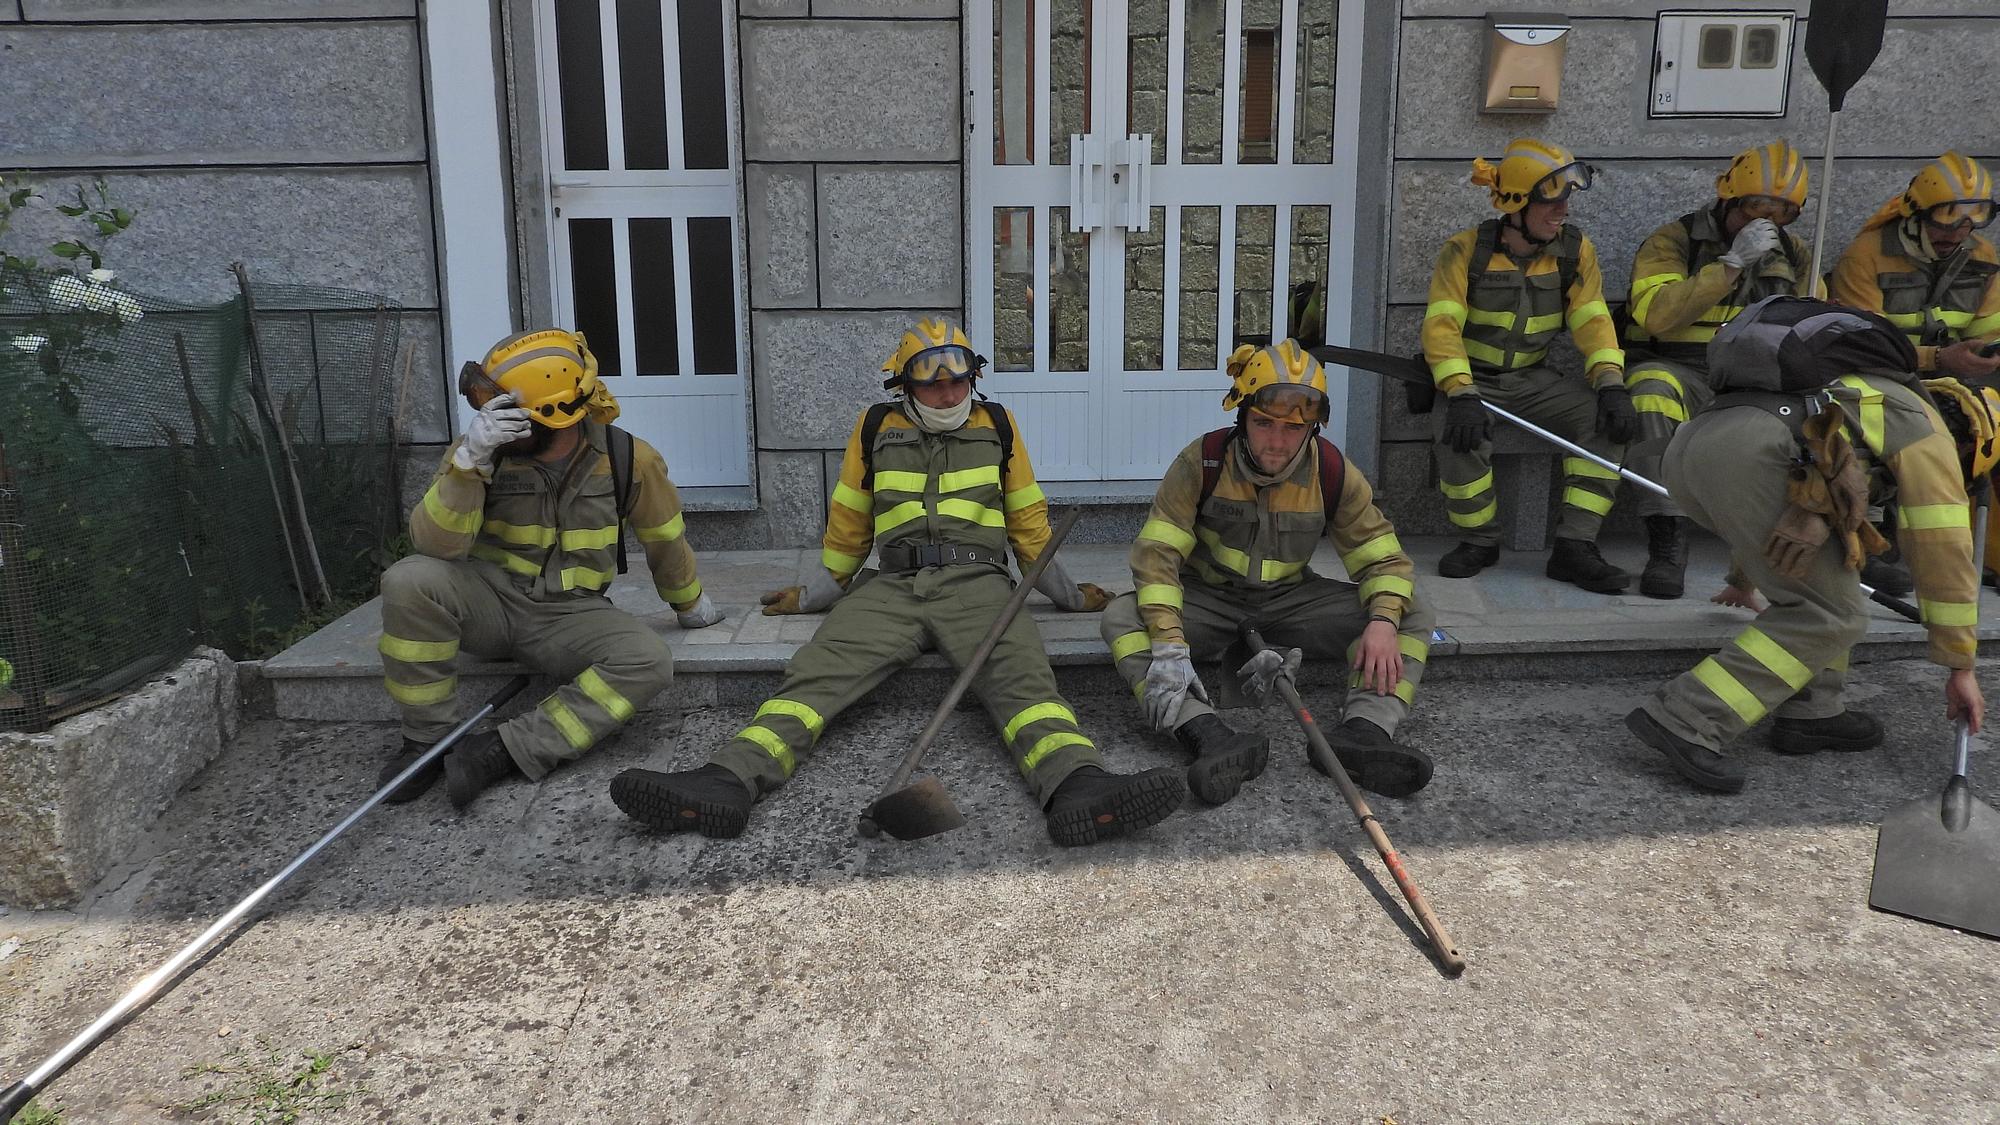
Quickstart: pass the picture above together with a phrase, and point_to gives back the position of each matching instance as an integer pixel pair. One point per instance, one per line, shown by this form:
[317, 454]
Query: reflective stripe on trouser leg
[868, 634]
[1466, 479]
[1389, 711]
[1731, 466]
[1665, 395]
[1015, 685]
[429, 608]
[624, 664]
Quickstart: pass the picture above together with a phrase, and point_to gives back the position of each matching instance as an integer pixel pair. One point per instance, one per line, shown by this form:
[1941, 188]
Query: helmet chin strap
[1518, 223]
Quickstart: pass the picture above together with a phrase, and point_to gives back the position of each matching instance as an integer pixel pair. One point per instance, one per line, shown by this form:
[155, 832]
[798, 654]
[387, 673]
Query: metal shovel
[911, 810]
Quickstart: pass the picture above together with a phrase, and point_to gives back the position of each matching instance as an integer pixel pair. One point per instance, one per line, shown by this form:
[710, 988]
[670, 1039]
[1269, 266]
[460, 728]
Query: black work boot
[420, 782]
[1578, 562]
[1665, 575]
[1224, 759]
[1467, 559]
[1092, 804]
[1375, 761]
[1849, 730]
[475, 765]
[1888, 574]
[1698, 764]
[710, 800]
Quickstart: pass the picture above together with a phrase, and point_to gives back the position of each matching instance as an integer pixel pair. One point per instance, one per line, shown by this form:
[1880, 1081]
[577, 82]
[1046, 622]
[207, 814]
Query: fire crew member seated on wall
[1499, 294]
[941, 485]
[1689, 278]
[1802, 541]
[1227, 541]
[518, 537]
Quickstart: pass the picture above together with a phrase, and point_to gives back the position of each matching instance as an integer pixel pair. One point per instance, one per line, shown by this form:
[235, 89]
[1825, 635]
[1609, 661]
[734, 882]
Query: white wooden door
[1147, 179]
[644, 251]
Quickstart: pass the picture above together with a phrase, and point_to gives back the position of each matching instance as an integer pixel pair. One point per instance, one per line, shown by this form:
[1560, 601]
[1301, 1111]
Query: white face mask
[939, 421]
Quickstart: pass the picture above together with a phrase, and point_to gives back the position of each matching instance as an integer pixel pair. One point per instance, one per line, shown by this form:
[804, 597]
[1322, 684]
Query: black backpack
[1797, 344]
[620, 444]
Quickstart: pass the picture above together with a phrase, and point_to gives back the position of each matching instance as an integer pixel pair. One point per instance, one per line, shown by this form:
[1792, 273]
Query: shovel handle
[1448, 955]
[960, 685]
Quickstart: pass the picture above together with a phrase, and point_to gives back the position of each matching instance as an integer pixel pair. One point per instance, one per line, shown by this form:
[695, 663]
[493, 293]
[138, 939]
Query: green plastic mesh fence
[173, 476]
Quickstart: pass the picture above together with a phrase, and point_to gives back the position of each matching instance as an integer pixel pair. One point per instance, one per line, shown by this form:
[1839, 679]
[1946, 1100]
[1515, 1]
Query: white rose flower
[128, 309]
[103, 276]
[66, 291]
[31, 343]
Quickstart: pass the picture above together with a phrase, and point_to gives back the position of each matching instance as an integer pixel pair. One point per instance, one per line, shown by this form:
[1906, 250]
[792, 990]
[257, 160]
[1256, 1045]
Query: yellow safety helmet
[1775, 170]
[1281, 381]
[1531, 171]
[1950, 190]
[1977, 412]
[551, 373]
[935, 349]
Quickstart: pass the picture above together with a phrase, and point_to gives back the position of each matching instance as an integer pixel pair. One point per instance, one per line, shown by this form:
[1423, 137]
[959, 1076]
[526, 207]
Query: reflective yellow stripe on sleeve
[1160, 593]
[1386, 584]
[1930, 517]
[1373, 551]
[1613, 356]
[452, 520]
[1024, 496]
[665, 533]
[839, 564]
[1585, 313]
[1871, 412]
[1450, 310]
[1984, 326]
[1160, 531]
[1948, 613]
[1446, 368]
[853, 499]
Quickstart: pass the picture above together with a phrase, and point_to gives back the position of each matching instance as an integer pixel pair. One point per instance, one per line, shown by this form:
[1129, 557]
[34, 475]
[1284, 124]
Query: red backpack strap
[1214, 444]
[1332, 477]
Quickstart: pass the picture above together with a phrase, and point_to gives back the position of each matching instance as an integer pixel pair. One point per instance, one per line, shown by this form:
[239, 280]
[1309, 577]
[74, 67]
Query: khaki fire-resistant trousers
[881, 625]
[433, 609]
[1322, 617]
[1727, 470]
[1562, 404]
[1664, 394]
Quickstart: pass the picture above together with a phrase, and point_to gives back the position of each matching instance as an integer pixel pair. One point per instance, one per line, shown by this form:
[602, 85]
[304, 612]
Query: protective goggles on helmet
[1557, 185]
[1290, 402]
[1779, 211]
[946, 361]
[478, 389]
[1978, 212]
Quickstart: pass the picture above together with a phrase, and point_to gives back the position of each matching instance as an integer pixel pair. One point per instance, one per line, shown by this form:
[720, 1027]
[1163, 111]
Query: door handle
[1086, 191]
[1133, 183]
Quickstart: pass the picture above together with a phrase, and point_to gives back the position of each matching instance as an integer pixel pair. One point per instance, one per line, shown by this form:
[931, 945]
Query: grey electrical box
[1524, 62]
[1721, 64]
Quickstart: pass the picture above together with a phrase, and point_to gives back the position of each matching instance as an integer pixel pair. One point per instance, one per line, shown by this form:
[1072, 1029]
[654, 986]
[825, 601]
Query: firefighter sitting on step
[1226, 543]
[1500, 293]
[940, 484]
[517, 539]
[1785, 477]
[1689, 278]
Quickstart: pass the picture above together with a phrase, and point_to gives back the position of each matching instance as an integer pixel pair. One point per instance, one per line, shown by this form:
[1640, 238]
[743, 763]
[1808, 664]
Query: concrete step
[1510, 622]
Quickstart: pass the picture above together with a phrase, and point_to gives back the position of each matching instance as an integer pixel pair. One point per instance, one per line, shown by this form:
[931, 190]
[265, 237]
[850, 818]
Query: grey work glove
[496, 424]
[1757, 238]
[1072, 597]
[819, 592]
[700, 615]
[1260, 673]
[1169, 682]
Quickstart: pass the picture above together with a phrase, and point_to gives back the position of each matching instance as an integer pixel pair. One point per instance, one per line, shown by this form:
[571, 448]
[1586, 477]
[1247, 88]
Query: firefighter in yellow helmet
[1689, 278]
[517, 539]
[1232, 527]
[1499, 295]
[1922, 262]
[1784, 479]
[938, 484]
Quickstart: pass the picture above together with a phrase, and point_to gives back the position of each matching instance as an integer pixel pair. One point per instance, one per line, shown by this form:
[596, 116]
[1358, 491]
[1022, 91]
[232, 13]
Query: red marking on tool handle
[1305, 714]
[1395, 863]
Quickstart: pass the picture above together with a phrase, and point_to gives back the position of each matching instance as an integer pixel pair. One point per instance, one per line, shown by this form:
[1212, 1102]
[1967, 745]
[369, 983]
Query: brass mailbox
[1524, 61]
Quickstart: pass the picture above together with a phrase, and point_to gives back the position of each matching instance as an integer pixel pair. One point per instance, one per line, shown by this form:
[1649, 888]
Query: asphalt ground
[1639, 950]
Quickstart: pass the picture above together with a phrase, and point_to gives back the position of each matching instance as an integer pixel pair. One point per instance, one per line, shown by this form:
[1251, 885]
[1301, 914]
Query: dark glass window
[656, 335]
[580, 74]
[642, 83]
[704, 120]
[712, 285]
[596, 297]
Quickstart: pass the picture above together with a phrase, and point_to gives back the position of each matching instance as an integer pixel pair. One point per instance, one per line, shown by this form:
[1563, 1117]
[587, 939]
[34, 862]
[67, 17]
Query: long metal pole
[1811, 280]
[17, 1096]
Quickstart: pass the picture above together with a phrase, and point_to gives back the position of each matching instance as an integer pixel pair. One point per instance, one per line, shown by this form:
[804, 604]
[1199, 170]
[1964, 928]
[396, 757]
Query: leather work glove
[1260, 673]
[1757, 238]
[1837, 487]
[1070, 596]
[700, 615]
[1799, 533]
[1466, 422]
[819, 592]
[1169, 682]
[496, 424]
[1616, 419]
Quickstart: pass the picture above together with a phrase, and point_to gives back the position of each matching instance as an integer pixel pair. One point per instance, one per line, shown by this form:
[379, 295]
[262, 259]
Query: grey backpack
[1797, 344]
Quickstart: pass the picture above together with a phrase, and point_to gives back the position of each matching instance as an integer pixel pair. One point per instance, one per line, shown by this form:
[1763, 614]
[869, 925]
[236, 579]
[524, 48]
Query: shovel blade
[1931, 872]
[1229, 693]
[921, 808]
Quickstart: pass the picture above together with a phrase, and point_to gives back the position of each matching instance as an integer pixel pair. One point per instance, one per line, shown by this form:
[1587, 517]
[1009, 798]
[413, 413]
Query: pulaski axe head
[921, 808]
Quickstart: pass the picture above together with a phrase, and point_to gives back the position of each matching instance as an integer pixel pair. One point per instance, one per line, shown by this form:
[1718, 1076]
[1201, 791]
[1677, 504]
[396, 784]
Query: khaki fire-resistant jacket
[1883, 272]
[1508, 324]
[1681, 292]
[560, 542]
[1895, 431]
[935, 488]
[1248, 538]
